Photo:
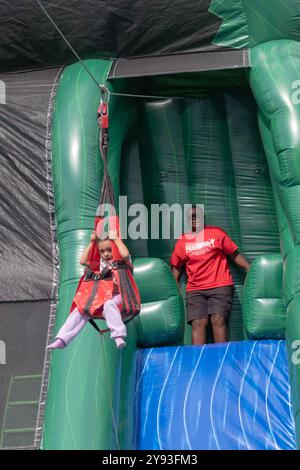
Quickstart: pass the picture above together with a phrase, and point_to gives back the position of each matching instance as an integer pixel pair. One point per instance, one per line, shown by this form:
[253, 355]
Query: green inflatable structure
[180, 149]
[211, 120]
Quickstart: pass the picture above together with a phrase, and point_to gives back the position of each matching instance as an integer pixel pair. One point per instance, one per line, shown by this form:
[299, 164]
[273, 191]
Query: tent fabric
[122, 28]
[28, 253]
[26, 236]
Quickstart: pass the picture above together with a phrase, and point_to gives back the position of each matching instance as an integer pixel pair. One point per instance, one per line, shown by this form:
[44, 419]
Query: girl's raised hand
[113, 235]
[93, 236]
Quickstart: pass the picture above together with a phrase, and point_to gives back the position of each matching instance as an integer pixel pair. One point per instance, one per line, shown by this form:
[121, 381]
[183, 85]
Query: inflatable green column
[90, 403]
[83, 404]
[274, 79]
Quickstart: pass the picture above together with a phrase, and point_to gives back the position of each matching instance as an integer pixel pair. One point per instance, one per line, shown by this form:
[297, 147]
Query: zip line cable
[67, 42]
[103, 90]
[130, 95]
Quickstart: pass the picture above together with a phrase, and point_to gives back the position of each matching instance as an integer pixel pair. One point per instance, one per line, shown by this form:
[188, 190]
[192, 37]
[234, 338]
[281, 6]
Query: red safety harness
[96, 287]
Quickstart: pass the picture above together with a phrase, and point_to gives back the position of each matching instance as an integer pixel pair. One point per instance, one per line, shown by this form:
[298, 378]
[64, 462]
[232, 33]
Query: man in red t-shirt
[209, 288]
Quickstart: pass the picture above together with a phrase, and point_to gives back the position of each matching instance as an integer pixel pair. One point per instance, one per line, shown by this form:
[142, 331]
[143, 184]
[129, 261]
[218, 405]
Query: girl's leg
[72, 326]
[112, 315]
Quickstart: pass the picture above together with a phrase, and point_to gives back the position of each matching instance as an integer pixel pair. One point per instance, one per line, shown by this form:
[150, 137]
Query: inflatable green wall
[209, 149]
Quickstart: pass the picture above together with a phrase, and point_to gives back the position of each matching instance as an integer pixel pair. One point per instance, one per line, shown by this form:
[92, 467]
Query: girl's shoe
[57, 344]
[120, 343]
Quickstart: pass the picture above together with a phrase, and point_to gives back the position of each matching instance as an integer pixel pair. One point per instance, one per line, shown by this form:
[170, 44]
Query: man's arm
[239, 259]
[176, 273]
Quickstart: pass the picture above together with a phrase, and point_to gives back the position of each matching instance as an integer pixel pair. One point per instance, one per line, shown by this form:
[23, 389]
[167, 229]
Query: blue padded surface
[219, 396]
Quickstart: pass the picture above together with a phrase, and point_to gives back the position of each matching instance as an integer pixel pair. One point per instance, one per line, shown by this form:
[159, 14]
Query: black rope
[107, 193]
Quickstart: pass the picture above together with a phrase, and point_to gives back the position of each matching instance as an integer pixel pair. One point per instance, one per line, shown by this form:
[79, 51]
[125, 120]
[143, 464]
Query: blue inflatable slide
[231, 396]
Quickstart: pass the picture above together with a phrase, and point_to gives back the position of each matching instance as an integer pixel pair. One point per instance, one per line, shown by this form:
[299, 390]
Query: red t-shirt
[204, 258]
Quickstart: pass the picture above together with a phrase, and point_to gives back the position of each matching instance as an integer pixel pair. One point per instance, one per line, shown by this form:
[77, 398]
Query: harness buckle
[114, 264]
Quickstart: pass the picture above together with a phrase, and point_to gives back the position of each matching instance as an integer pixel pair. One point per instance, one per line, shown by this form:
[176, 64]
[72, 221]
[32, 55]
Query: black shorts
[202, 303]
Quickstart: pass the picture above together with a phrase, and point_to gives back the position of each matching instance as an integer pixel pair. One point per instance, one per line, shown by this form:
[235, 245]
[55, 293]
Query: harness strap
[94, 324]
[120, 264]
[90, 275]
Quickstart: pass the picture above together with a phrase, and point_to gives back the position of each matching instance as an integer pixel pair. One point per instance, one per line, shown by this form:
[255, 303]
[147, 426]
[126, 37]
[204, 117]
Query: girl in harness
[104, 301]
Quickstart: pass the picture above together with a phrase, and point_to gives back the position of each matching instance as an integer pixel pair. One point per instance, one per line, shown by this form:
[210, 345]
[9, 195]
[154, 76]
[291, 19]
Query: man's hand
[239, 259]
[176, 273]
